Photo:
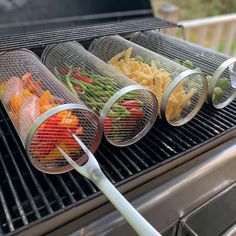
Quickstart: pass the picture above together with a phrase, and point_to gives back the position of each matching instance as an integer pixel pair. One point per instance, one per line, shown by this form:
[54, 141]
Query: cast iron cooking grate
[27, 196]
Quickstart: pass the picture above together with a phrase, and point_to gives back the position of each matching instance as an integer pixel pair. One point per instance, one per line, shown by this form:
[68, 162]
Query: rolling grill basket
[222, 69]
[127, 110]
[42, 110]
[180, 91]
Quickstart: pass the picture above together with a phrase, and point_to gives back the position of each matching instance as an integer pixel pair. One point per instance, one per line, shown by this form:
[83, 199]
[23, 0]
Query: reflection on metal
[197, 182]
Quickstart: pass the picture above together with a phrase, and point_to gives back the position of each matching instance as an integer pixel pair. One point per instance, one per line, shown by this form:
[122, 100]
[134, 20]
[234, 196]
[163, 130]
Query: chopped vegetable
[218, 93]
[223, 83]
[221, 86]
[27, 100]
[108, 125]
[95, 90]
[137, 113]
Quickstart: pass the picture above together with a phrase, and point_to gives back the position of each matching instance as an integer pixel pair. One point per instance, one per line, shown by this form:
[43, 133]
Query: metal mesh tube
[220, 69]
[127, 110]
[42, 110]
[180, 91]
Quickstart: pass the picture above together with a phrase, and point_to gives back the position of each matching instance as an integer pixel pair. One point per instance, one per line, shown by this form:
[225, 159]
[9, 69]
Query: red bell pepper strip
[85, 79]
[137, 113]
[131, 104]
[108, 125]
[64, 71]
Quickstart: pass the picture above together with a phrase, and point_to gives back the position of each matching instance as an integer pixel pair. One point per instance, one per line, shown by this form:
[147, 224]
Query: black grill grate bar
[204, 129]
[196, 132]
[79, 189]
[134, 155]
[185, 134]
[33, 178]
[211, 120]
[130, 161]
[90, 186]
[151, 150]
[154, 140]
[165, 144]
[81, 33]
[25, 187]
[178, 137]
[65, 188]
[116, 158]
[52, 188]
[222, 123]
[227, 116]
[190, 134]
[231, 109]
[114, 169]
[144, 154]
[14, 193]
[5, 209]
[169, 139]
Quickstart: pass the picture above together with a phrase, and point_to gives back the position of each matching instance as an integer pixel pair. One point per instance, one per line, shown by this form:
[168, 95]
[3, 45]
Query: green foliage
[190, 9]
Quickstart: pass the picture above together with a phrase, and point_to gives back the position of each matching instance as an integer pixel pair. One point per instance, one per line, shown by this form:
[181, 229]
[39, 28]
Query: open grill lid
[30, 24]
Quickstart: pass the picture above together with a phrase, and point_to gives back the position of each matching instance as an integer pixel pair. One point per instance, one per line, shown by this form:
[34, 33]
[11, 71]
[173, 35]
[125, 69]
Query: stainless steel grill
[31, 201]
[221, 69]
[28, 196]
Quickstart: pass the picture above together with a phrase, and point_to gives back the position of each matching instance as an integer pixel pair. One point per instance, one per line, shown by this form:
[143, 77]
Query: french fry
[156, 79]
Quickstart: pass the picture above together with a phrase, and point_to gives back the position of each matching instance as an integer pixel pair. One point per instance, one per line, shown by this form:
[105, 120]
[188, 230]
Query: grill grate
[27, 195]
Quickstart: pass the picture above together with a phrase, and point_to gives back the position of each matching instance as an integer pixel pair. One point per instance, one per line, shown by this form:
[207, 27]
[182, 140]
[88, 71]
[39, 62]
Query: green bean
[69, 84]
[58, 75]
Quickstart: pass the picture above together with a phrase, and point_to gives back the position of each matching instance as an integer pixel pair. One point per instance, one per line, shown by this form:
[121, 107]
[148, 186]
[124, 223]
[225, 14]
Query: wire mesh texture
[222, 68]
[180, 91]
[127, 110]
[42, 110]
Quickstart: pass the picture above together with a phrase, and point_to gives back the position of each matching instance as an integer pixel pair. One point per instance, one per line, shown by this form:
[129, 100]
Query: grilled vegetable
[27, 100]
[91, 87]
[221, 86]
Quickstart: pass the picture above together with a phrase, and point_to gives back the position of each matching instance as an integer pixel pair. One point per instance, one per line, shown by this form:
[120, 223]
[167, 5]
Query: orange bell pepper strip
[69, 121]
[15, 104]
[46, 98]
[45, 108]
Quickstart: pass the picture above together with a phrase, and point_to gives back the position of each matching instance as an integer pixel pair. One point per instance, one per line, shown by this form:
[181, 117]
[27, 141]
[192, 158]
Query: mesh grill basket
[127, 110]
[42, 110]
[180, 91]
[220, 69]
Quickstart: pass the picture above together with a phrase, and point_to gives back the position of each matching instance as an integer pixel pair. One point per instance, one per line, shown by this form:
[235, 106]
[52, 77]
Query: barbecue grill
[168, 174]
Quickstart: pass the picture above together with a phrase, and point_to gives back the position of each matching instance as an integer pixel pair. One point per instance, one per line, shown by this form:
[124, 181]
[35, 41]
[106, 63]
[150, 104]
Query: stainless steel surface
[190, 185]
[213, 217]
[231, 231]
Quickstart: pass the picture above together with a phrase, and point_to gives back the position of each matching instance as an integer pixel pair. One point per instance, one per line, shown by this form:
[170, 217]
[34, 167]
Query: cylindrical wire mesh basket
[219, 69]
[181, 92]
[127, 110]
[42, 111]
